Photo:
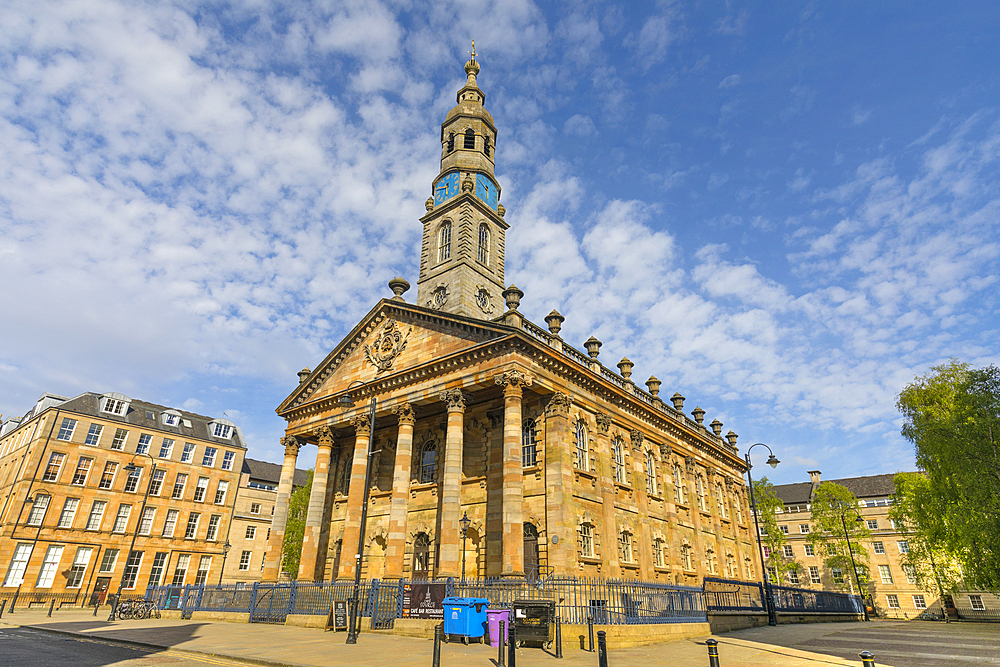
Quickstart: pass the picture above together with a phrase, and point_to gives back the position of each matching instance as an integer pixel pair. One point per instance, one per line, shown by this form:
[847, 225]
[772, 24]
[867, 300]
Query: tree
[773, 540]
[952, 416]
[834, 508]
[295, 528]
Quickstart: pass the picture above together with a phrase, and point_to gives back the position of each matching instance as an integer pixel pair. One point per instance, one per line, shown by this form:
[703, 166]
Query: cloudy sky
[785, 211]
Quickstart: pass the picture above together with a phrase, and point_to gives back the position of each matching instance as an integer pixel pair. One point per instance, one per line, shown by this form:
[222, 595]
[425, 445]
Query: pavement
[895, 644]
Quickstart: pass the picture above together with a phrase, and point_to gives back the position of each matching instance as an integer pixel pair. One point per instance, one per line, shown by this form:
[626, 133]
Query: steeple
[462, 254]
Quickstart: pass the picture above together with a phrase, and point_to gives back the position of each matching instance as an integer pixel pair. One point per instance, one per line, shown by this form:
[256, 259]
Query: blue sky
[785, 211]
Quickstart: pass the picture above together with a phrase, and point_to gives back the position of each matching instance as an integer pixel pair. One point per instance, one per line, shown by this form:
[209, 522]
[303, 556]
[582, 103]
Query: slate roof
[271, 472]
[871, 486]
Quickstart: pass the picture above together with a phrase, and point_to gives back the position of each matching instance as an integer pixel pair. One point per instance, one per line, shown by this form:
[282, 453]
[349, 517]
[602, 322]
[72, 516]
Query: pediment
[392, 338]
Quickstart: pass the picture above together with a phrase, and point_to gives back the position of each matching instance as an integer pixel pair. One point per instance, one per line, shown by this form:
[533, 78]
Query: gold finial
[473, 51]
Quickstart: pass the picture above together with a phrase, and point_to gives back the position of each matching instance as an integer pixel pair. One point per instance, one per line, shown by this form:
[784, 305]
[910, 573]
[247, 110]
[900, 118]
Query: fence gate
[271, 603]
[387, 601]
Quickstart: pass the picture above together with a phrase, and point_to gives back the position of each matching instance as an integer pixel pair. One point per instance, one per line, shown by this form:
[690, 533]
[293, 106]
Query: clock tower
[462, 252]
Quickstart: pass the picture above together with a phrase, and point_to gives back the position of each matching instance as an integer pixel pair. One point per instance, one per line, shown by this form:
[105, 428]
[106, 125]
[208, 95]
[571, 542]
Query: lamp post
[346, 401]
[225, 552]
[135, 533]
[465, 522]
[854, 566]
[772, 616]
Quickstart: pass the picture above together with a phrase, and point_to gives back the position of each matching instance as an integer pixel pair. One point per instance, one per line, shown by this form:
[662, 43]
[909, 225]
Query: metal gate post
[253, 600]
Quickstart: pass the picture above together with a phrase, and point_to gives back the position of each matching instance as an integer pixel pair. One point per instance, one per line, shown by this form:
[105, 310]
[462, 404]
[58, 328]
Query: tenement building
[561, 464]
[892, 585]
[81, 477]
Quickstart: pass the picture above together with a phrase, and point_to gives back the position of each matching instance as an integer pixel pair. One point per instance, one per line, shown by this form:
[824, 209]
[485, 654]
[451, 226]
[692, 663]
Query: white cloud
[580, 125]
[730, 81]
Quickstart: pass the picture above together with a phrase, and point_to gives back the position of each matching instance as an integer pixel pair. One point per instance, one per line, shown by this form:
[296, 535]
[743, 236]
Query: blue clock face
[446, 188]
[487, 190]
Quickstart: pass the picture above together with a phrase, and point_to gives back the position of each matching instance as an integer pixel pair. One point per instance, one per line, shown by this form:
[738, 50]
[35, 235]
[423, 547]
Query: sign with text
[338, 616]
[424, 600]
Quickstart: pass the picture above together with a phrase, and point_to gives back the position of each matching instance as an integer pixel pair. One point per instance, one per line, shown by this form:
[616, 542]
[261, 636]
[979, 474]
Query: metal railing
[787, 599]
[733, 595]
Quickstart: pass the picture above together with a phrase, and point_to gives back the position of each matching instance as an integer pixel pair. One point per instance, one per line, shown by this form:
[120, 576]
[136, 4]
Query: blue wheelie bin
[465, 618]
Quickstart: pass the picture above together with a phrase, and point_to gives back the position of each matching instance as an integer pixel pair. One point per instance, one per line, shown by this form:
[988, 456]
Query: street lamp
[854, 565]
[346, 401]
[131, 467]
[772, 616]
[225, 552]
[465, 522]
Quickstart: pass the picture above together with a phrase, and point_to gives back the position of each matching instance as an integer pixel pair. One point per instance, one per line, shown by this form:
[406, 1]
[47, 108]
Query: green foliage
[772, 538]
[952, 416]
[295, 528]
[834, 518]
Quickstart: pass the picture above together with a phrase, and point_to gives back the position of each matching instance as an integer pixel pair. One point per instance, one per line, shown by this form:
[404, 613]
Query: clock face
[446, 188]
[487, 190]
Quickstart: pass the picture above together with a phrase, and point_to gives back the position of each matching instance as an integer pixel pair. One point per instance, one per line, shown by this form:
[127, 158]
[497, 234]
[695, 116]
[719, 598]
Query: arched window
[618, 460]
[650, 473]
[484, 244]
[444, 241]
[625, 546]
[451, 141]
[720, 497]
[586, 540]
[659, 553]
[428, 463]
[582, 455]
[470, 138]
[529, 450]
[421, 556]
[699, 483]
[486, 144]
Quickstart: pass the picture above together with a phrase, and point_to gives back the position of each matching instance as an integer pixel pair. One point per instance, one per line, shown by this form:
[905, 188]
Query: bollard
[13, 602]
[511, 647]
[590, 631]
[503, 642]
[3, 603]
[438, 634]
[602, 649]
[713, 653]
[867, 658]
[558, 637]
[52, 606]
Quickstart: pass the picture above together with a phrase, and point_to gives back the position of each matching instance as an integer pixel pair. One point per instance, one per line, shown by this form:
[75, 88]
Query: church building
[562, 466]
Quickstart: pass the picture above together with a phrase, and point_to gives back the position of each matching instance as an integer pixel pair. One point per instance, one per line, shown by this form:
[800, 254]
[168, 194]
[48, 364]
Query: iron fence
[28, 599]
[733, 595]
[789, 599]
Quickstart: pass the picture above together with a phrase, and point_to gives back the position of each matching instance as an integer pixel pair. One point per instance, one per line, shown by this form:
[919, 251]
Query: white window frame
[245, 560]
[191, 528]
[109, 561]
[251, 533]
[50, 566]
[146, 521]
[228, 460]
[39, 507]
[130, 575]
[814, 576]
[212, 533]
[170, 523]
[66, 429]
[55, 459]
[201, 489]
[187, 453]
[220, 430]
[885, 572]
[121, 519]
[976, 602]
[93, 438]
[118, 442]
[166, 448]
[96, 515]
[68, 513]
[892, 601]
[18, 565]
[254, 508]
[78, 570]
[919, 602]
[221, 488]
[133, 479]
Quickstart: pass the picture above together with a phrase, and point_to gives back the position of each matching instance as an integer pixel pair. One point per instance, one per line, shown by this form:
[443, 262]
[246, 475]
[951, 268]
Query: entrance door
[530, 551]
[100, 591]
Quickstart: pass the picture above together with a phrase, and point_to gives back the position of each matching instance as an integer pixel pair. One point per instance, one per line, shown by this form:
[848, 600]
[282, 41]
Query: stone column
[644, 552]
[494, 495]
[272, 554]
[395, 548]
[355, 498]
[609, 532]
[513, 382]
[317, 508]
[449, 535]
[559, 529]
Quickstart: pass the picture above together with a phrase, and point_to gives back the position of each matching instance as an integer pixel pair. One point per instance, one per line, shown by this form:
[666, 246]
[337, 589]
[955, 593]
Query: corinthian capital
[404, 413]
[292, 445]
[456, 399]
[325, 436]
[603, 421]
[558, 404]
[362, 424]
[637, 438]
[513, 381]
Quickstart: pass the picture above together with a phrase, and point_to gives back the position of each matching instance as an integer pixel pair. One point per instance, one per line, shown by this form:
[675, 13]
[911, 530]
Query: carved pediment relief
[388, 344]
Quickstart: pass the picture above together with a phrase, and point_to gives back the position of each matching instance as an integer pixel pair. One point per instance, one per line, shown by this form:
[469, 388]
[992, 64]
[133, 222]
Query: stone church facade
[563, 466]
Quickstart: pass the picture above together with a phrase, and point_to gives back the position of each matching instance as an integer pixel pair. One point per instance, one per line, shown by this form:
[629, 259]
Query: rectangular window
[170, 523]
[976, 602]
[221, 430]
[892, 601]
[118, 443]
[49, 566]
[208, 459]
[213, 527]
[814, 575]
[18, 564]
[156, 482]
[109, 560]
[156, 572]
[885, 573]
[82, 471]
[872, 524]
[145, 440]
[146, 522]
[121, 521]
[170, 419]
[38, 508]
[204, 565]
[878, 547]
[245, 561]
[179, 484]
[187, 455]
[251, 532]
[96, 514]
[79, 568]
[810, 551]
[131, 569]
[132, 481]
[793, 577]
[52, 469]
[166, 448]
[108, 476]
[220, 493]
[200, 489]
[783, 528]
[68, 513]
[838, 575]
[254, 508]
[94, 435]
[804, 528]
[66, 429]
[180, 570]
[192, 526]
[904, 546]
[786, 550]
[911, 574]
[114, 406]
[227, 460]
[919, 602]
[767, 551]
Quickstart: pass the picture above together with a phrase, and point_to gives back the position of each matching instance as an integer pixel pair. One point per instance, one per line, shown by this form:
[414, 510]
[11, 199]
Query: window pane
[49, 566]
